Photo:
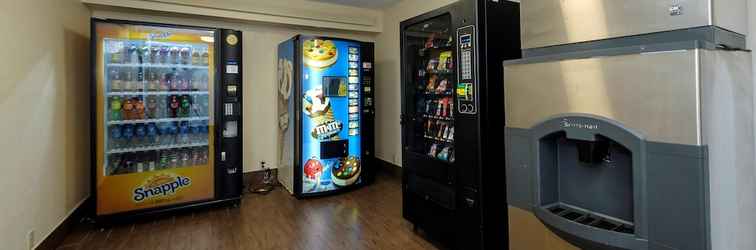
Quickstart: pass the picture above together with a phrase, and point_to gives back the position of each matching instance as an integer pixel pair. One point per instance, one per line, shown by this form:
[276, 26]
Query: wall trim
[388, 167]
[358, 21]
[53, 239]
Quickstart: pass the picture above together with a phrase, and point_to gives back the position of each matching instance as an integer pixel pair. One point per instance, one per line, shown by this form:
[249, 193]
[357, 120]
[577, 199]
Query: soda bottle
[164, 132]
[139, 162]
[196, 109]
[149, 161]
[153, 83]
[204, 155]
[144, 55]
[165, 160]
[115, 162]
[164, 57]
[155, 55]
[204, 133]
[195, 133]
[127, 134]
[138, 108]
[115, 108]
[116, 52]
[205, 58]
[197, 81]
[140, 134]
[151, 111]
[185, 55]
[162, 110]
[196, 57]
[173, 133]
[115, 137]
[195, 157]
[185, 106]
[186, 157]
[186, 76]
[127, 109]
[116, 83]
[129, 79]
[173, 106]
[183, 134]
[174, 158]
[133, 53]
[152, 135]
[165, 82]
[174, 80]
[174, 55]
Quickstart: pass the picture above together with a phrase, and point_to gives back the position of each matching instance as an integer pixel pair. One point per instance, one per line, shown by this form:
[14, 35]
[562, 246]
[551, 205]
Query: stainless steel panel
[728, 131]
[557, 22]
[655, 94]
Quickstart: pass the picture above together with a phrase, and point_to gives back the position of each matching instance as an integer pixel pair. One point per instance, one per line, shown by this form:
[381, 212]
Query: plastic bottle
[163, 56]
[116, 52]
[155, 55]
[153, 83]
[116, 137]
[185, 54]
[195, 133]
[140, 135]
[175, 57]
[164, 160]
[166, 80]
[127, 134]
[205, 58]
[186, 157]
[129, 84]
[115, 108]
[196, 57]
[133, 53]
[152, 135]
[144, 55]
[183, 134]
[150, 161]
[174, 158]
[116, 82]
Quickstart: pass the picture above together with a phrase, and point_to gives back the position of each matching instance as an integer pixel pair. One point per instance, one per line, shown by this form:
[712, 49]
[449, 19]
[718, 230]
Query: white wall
[44, 103]
[260, 60]
[388, 77]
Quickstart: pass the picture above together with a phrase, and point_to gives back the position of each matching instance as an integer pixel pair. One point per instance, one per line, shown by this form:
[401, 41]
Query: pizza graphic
[320, 53]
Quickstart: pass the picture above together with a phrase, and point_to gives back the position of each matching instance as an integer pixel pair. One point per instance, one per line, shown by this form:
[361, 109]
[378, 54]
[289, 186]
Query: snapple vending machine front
[155, 94]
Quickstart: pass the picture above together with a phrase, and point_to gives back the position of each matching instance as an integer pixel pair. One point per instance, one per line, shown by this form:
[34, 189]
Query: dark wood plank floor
[367, 218]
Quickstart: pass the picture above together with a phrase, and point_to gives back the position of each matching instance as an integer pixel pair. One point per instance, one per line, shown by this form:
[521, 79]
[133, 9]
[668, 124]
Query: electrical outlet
[30, 240]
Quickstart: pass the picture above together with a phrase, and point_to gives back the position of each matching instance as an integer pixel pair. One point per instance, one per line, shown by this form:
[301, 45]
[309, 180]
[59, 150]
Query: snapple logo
[327, 130]
[160, 186]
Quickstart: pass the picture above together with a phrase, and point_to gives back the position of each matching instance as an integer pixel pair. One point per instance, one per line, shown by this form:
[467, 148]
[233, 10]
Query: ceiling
[373, 4]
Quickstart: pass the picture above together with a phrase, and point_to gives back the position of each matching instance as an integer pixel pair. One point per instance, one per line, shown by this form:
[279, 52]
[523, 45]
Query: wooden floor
[367, 218]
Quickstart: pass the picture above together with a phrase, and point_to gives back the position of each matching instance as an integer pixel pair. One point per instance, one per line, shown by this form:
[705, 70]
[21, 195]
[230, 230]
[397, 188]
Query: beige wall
[44, 102]
[260, 60]
[388, 81]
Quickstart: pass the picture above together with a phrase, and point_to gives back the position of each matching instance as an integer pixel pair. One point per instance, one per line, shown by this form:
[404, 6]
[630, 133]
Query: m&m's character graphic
[313, 169]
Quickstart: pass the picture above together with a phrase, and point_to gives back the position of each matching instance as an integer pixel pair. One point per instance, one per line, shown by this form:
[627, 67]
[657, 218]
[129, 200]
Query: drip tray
[590, 219]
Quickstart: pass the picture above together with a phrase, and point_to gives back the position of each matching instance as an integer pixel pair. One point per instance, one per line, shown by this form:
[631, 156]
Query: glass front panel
[155, 109]
[429, 51]
[331, 79]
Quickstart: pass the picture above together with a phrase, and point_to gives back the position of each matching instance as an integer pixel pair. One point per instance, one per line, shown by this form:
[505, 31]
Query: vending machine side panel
[229, 169]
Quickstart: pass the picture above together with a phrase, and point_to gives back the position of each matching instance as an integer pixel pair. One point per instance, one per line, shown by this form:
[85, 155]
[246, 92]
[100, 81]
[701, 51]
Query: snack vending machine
[452, 109]
[326, 115]
[166, 116]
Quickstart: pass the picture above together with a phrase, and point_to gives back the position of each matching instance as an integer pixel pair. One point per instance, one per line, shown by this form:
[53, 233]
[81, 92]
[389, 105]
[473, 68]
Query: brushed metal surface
[557, 22]
[728, 131]
[655, 94]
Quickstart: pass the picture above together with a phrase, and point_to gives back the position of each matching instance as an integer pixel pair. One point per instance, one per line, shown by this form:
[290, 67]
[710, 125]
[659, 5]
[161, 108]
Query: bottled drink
[197, 81]
[194, 133]
[138, 108]
[139, 80]
[196, 109]
[165, 160]
[129, 84]
[133, 53]
[165, 82]
[162, 110]
[185, 55]
[115, 137]
[139, 162]
[116, 52]
[116, 162]
[174, 80]
[185, 106]
[152, 135]
[115, 108]
[196, 157]
[173, 106]
[196, 57]
[163, 56]
[153, 82]
[164, 132]
[116, 83]
[174, 55]
[150, 161]
[183, 135]
[151, 111]
[186, 158]
[144, 55]
[205, 58]
[140, 135]
[155, 55]
[174, 158]
[127, 134]
[204, 155]
[204, 133]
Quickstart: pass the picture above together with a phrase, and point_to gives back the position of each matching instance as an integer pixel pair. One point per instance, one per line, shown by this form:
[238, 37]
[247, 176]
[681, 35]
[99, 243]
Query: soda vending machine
[452, 111]
[326, 115]
[166, 113]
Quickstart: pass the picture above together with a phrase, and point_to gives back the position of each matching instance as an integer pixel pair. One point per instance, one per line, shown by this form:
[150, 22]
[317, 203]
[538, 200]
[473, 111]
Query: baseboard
[59, 233]
[255, 178]
[389, 168]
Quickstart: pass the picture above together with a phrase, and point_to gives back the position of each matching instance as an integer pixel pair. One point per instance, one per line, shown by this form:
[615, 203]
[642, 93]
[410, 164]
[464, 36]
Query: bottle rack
[166, 86]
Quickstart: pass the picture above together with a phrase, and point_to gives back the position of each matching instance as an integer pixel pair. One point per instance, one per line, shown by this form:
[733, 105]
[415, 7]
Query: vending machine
[326, 115]
[166, 113]
[452, 110]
